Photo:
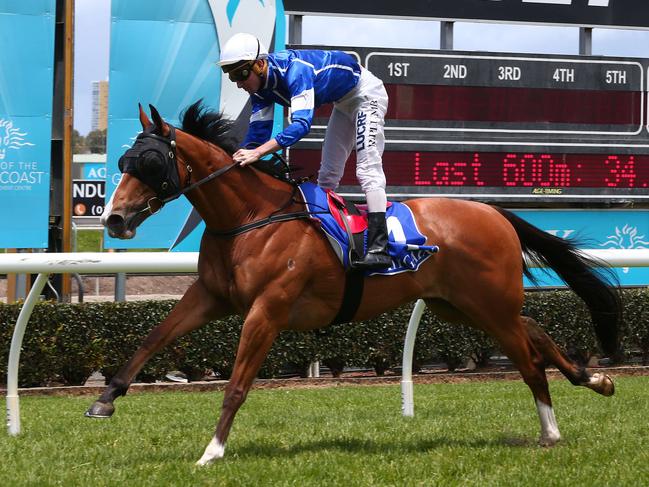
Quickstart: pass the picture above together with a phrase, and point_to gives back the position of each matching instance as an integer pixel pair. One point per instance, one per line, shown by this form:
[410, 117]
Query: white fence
[186, 262]
[80, 263]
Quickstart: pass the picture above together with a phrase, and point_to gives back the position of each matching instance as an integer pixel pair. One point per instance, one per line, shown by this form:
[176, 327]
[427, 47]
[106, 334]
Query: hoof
[214, 451]
[206, 461]
[100, 410]
[549, 441]
[602, 384]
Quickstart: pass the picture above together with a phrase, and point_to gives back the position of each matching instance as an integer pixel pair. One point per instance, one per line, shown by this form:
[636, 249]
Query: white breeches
[357, 122]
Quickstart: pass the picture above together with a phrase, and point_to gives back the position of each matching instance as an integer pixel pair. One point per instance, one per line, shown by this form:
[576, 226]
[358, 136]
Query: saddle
[349, 217]
[345, 226]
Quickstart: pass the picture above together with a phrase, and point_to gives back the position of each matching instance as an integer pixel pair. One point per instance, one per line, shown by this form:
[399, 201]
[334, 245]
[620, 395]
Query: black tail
[601, 296]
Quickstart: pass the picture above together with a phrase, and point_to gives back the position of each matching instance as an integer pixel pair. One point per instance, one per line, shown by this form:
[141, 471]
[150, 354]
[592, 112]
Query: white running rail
[45, 264]
[81, 263]
[612, 257]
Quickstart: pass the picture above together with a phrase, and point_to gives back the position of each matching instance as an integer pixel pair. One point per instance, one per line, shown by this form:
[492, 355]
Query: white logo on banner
[132, 139]
[10, 137]
[626, 238]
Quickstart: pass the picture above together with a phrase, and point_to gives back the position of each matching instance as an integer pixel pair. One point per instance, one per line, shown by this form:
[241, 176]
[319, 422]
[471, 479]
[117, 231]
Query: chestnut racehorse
[285, 276]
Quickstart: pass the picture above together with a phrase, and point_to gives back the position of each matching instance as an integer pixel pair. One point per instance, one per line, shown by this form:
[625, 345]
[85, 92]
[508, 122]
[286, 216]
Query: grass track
[463, 434]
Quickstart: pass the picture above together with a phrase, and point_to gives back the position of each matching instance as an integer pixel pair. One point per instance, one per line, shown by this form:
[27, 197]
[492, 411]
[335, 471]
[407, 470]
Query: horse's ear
[157, 120]
[144, 119]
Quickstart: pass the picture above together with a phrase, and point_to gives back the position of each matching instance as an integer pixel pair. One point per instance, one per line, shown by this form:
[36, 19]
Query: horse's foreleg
[196, 308]
[257, 337]
[577, 375]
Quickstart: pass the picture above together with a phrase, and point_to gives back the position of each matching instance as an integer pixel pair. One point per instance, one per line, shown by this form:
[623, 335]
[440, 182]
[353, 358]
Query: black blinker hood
[165, 181]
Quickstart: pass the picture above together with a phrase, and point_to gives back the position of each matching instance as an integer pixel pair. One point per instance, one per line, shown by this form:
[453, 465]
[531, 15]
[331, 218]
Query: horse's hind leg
[196, 308]
[519, 347]
[577, 375]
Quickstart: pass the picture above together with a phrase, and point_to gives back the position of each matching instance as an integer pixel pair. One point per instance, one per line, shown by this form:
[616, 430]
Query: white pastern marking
[549, 428]
[214, 451]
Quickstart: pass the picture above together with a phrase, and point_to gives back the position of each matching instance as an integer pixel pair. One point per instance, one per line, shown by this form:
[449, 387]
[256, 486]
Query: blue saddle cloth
[405, 242]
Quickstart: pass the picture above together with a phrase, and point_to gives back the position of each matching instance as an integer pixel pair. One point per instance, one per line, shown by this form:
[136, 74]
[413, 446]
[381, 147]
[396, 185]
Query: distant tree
[78, 143]
[96, 141]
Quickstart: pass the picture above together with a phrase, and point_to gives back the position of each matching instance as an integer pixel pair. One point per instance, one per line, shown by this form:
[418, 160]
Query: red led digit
[627, 173]
[613, 162]
[510, 170]
[528, 164]
[475, 166]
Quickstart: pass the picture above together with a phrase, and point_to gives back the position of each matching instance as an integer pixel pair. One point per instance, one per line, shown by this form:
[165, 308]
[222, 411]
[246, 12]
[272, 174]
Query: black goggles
[241, 73]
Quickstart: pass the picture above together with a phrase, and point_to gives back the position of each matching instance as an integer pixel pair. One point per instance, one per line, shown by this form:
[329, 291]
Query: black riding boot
[377, 256]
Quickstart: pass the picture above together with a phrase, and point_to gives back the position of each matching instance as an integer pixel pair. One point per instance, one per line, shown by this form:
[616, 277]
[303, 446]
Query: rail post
[407, 393]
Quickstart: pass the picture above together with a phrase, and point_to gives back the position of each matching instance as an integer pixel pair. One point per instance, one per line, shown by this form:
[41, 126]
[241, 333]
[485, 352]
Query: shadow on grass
[250, 450]
[350, 445]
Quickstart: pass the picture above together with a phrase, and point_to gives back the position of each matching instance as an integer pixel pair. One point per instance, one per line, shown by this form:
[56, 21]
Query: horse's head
[150, 175]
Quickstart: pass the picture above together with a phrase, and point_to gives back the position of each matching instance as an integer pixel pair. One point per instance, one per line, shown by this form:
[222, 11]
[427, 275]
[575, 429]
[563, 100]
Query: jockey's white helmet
[242, 47]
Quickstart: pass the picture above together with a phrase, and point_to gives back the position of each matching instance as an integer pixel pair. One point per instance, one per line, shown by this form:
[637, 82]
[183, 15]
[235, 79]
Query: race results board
[505, 127]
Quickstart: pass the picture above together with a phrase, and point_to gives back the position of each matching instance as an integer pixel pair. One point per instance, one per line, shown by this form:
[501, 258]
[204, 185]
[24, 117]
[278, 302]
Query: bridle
[165, 182]
[152, 153]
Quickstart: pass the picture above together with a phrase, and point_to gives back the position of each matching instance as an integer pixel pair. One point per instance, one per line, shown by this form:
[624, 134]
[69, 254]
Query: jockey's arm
[248, 156]
[300, 80]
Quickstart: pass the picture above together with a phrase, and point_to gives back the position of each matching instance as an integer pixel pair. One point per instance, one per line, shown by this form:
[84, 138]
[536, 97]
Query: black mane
[208, 125]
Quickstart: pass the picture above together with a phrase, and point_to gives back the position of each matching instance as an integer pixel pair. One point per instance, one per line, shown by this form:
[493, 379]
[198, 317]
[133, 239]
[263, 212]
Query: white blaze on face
[108, 209]
[253, 16]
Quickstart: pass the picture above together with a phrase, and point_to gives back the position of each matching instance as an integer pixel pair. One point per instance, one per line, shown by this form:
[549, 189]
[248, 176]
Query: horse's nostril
[116, 224]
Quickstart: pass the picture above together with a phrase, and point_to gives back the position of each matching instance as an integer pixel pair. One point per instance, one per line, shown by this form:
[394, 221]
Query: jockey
[303, 80]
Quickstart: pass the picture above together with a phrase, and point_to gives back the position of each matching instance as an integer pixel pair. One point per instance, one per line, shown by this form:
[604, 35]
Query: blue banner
[94, 171]
[26, 93]
[165, 54]
[596, 229]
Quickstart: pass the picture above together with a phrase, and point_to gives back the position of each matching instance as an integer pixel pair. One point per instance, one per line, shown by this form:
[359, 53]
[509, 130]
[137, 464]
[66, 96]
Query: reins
[186, 189]
[155, 204]
[272, 218]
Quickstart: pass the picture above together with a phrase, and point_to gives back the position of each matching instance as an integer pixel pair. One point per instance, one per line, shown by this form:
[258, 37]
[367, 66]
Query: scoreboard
[505, 127]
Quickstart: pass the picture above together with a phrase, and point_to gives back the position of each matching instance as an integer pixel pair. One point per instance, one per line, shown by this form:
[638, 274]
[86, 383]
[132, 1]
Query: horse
[260, 258]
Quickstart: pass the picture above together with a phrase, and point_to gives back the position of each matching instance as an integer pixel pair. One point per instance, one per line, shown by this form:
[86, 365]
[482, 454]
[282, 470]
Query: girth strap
[354, 285]
[259, 223]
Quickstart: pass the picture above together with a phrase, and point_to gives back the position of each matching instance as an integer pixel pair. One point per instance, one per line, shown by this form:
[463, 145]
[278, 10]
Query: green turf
[481, 434]
[92, 241]
[89, 240]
